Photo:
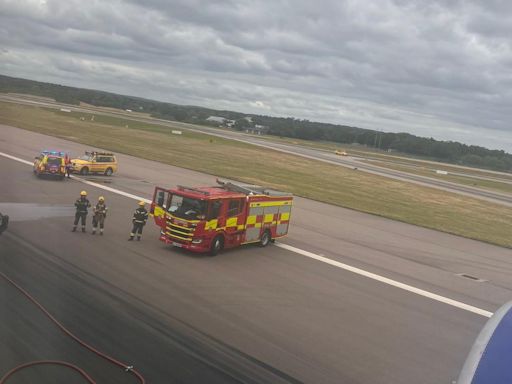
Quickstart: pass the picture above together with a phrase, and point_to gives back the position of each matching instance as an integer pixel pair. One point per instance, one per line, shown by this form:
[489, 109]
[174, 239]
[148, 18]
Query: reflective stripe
[158, 212]
[175, 230]
[185, 220]
[271, 203]
[179, 237]
[212, 224]
[251, 219]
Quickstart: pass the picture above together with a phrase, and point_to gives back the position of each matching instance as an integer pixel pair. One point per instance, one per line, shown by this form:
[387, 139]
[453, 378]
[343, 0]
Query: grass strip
[423, 206]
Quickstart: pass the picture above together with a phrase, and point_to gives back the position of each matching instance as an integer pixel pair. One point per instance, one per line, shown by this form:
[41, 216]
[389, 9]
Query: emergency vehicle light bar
[55, 153]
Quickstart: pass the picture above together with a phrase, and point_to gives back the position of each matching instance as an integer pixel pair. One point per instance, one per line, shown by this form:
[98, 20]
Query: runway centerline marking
[311, 255]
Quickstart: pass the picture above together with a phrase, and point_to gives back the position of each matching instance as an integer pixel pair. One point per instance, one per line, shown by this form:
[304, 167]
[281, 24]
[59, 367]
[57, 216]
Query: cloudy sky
[433, 68]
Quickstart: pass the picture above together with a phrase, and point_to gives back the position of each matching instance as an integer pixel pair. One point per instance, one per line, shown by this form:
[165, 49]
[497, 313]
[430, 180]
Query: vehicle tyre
[266, 238]
[84, 171]
[109, 172]
[217, 245]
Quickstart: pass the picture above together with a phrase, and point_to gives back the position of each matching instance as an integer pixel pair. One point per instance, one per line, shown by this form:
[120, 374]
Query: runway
[309, 153]
[250, 315]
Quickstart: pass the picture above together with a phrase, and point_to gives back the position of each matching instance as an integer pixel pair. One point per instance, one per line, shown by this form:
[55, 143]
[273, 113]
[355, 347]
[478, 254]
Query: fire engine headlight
[197, 241]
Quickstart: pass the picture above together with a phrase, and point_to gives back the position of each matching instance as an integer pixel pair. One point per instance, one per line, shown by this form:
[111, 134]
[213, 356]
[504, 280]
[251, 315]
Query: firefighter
[140, 216]
[68, 166]
[81, 204]
[100, 213]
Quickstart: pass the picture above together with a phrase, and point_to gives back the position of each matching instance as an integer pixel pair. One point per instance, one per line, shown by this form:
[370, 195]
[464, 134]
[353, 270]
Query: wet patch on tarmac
[26, 212]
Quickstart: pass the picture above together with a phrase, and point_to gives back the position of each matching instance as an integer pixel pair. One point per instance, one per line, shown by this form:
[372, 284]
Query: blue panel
[496, 363]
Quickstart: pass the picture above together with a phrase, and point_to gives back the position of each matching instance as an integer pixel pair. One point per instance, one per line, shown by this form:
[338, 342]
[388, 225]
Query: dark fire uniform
[82, 205]
[140, 216]
[100, 212]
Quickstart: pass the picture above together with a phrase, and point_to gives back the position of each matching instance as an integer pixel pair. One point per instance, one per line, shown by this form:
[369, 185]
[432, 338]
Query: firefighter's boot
[83, 228]
[93, 231]
[74, 229]
[138, 238]
[101, 231]
[131, 237]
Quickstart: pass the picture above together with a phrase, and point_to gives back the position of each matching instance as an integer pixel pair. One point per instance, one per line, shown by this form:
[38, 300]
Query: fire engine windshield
[187, 208]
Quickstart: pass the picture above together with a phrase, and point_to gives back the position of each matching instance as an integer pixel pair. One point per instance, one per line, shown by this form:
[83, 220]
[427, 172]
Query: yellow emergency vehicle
[95, 162]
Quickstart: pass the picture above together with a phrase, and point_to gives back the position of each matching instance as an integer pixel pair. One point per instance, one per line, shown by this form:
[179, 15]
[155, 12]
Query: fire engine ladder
[247, 189]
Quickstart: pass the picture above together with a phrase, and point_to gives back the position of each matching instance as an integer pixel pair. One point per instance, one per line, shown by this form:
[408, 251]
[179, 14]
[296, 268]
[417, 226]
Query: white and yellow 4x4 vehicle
[95, 162]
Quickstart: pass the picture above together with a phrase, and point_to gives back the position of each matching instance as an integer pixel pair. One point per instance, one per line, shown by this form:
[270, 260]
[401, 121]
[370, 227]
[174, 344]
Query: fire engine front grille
[179, 232]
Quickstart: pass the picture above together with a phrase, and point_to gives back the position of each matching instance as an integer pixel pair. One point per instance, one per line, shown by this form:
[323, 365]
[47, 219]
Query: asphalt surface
[310, 153]
[250, 315]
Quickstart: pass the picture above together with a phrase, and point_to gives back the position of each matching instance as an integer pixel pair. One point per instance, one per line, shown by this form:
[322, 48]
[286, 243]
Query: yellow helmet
[142, 203]
[101, 198]
[83, 193]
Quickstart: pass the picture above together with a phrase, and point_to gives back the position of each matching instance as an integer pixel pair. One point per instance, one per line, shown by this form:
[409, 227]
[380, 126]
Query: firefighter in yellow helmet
[140, 216]
[100, 213]
[81, 204]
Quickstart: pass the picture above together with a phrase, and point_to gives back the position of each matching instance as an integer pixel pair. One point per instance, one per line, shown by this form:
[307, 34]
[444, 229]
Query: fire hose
[127, 368]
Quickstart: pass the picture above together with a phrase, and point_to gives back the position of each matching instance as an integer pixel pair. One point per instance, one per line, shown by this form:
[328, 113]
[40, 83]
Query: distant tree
[448, 151]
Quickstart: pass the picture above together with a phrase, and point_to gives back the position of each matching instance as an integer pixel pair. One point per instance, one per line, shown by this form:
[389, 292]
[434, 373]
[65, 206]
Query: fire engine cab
[209, 219]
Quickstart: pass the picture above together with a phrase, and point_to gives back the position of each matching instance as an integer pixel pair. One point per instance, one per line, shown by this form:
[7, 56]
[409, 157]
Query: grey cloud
[389, 64]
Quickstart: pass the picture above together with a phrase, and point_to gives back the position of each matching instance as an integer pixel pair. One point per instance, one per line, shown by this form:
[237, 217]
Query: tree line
[429, 148]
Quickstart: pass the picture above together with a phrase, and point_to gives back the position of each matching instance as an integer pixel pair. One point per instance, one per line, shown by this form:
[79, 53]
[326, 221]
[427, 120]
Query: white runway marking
[385, 280]
[334, 263]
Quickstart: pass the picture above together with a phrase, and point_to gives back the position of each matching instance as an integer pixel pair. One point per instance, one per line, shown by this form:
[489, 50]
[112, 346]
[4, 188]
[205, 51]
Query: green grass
[332, 184]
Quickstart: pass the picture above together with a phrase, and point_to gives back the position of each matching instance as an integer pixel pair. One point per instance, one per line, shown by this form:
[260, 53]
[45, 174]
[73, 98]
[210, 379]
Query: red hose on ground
[47, 362]
[126, 367]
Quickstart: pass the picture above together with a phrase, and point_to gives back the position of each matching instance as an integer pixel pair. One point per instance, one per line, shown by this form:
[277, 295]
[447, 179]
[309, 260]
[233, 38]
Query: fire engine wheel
[84, 171]
[217, 245]
[266, 238]
[109, 172]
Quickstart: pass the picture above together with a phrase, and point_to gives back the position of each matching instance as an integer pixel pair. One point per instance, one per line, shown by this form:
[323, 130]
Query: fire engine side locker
[283, 221]
[261, 216]
[253, 227]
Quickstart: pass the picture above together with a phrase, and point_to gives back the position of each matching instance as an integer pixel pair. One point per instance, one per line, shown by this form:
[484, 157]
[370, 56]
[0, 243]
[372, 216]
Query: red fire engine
[208, 219]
